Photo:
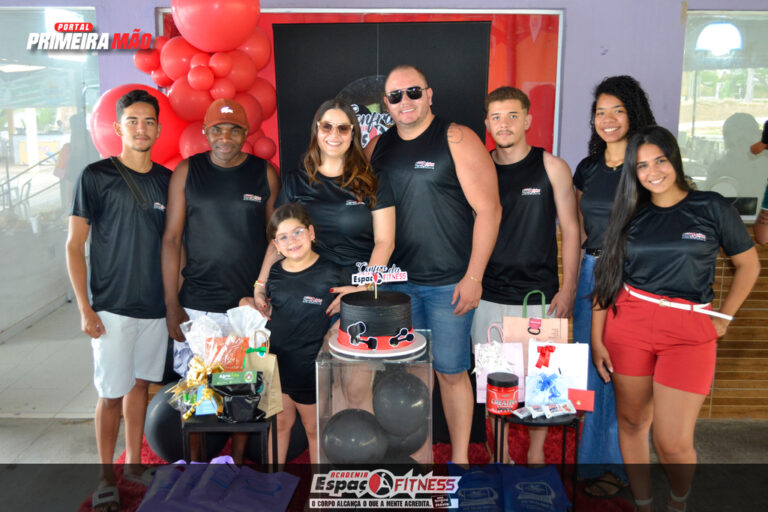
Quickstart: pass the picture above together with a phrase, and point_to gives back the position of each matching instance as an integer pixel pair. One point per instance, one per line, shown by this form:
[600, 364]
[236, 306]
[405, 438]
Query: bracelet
[474, 278]
[258, 283]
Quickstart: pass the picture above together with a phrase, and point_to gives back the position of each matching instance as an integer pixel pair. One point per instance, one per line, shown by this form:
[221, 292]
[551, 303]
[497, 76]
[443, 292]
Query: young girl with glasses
[299, 290]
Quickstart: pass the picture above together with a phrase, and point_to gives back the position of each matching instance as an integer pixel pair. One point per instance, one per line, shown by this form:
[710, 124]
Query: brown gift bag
[272, 396]
[521, 329]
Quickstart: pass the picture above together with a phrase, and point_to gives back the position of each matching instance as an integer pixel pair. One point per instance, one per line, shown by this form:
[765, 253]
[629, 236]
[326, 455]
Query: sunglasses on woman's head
[413, 93]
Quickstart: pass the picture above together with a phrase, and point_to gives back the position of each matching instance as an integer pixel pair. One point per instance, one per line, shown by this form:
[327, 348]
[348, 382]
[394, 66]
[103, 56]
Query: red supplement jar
[501, 397]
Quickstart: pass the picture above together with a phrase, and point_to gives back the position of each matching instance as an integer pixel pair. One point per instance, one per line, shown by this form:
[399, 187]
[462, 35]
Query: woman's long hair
[628, 90]
[630, 198]
[357, 175]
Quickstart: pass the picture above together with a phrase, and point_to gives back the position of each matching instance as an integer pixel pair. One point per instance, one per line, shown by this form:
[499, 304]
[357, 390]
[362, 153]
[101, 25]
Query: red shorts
[677, 347]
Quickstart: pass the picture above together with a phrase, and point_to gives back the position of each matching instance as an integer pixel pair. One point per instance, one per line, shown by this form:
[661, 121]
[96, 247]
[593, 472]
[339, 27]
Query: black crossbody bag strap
[135, 190]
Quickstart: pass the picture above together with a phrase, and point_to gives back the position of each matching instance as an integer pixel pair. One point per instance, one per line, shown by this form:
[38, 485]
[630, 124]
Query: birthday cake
[369, 323]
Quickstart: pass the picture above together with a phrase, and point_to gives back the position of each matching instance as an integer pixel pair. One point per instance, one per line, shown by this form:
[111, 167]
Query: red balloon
[200, 78]
[200, 59]
[160, 78]
[220, 64]
[243, 72]
[247, 147]
[264, 148]
[147, 60]
[265, 93]
[254, 136]
[189, 104]
[160, 42]
[215, 26]
[252, 109]
[175, 57]
[258, 48]
[222, 88]
[173, 162]
[192, 140]
[103, 118]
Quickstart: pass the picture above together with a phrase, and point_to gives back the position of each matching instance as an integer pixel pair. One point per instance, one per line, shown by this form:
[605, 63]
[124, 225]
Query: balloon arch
[218, 55]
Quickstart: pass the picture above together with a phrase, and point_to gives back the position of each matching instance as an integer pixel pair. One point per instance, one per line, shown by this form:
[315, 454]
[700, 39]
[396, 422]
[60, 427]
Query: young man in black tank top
[440, 173]
[219, 203]
[536, 189]
[122, 201]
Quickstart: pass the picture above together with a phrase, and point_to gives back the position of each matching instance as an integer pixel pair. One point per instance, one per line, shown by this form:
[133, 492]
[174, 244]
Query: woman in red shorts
[654, 332]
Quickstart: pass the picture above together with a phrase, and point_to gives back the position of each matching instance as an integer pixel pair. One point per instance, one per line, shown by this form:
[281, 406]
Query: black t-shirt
[125, 240]
[672, 251]
[433, 235]
[525, 255]
[225, 232]
[343, 225]
[298, 322]
[598, 184]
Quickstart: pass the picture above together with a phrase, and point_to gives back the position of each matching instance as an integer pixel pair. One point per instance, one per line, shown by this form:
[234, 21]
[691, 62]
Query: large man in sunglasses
[448, 212]
[219, 203]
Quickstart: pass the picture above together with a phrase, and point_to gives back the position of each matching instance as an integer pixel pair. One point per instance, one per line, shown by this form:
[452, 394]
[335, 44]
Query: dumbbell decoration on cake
[376, 323]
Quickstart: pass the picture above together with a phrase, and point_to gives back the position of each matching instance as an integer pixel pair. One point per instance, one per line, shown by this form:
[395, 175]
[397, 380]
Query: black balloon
[407, 444]
[353, 436]
[162, 428]
[401, 403]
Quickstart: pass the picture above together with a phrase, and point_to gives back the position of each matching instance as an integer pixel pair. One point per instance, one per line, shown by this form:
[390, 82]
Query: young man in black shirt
[121, 202]
[536, 190]
[447, 220]
[219, 203]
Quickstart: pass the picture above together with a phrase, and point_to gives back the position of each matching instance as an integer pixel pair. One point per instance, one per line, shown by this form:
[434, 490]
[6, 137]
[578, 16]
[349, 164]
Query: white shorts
[132, 348]
[488, 313]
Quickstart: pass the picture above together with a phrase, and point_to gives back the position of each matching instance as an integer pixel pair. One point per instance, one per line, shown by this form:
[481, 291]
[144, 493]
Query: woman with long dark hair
[351, 207]
[619, 108]
[654, 332]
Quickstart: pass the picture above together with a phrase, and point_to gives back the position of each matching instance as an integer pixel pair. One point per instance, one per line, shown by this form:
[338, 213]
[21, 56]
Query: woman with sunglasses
[654, 332]
[351, 207]
[619, 108]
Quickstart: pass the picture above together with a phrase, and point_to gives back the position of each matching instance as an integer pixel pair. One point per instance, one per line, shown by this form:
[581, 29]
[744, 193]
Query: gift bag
[261, 360]
[497, 356]
[554, 368]
[521, 329]
[240, 394]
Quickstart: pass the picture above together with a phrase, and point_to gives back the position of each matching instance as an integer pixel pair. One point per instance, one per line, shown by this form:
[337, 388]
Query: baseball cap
[225, 110]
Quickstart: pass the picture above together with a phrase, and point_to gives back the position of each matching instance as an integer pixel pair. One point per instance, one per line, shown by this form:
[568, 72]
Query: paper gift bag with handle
[495, 356]
[260, 359]
[530, 327]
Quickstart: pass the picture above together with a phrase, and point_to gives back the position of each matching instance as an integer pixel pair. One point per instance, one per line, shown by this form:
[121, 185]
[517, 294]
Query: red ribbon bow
[544, 353]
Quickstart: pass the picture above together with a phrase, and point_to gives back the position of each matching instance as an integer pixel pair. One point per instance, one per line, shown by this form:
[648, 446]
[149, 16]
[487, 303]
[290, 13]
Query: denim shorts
[431, 309]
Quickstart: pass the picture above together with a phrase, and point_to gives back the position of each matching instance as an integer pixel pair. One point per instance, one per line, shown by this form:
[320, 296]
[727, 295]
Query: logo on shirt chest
[350, 202]
[531, 191]
[158, 206]
[423, 164]
[692, 235]
[312, 300]
[252, 197]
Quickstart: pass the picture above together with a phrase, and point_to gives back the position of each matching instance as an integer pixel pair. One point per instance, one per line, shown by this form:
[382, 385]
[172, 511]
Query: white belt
[696, 308]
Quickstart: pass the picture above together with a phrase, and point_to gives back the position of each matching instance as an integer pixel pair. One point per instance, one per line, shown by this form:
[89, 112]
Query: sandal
[145, 478]
[106, 496]
[603, 488]
[643, 503]
[678, 499]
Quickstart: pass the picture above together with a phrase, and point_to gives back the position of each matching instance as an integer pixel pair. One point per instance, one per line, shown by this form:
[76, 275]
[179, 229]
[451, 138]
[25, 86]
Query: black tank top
[433, 237]
[525, 256]
[225, 234]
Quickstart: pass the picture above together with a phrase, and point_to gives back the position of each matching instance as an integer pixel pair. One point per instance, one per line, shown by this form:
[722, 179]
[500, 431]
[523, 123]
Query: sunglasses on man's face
[413, 93]
[327, 127]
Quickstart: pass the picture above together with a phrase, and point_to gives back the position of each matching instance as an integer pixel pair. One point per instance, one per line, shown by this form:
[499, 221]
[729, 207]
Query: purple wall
[602, 38]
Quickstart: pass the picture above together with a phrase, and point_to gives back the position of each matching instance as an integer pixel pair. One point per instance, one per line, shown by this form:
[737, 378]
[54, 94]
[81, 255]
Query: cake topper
[377, 274]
